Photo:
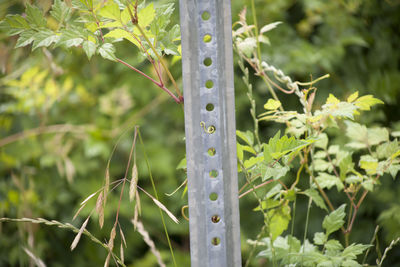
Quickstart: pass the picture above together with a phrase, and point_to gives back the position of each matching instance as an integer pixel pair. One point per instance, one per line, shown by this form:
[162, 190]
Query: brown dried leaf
[134, 181]
[79, 210]
[88, 198]
[161, 206]
[122, 236]
[78, 236]
[100, 208]
[107, 262]
[121, 251]
[112, 237]
[139, 206]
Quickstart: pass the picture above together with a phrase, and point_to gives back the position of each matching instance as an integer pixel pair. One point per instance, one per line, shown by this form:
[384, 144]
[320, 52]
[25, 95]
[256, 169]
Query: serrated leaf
[146, 15]
[356, 131]
[316, 198]
[345, 165]
[35, 16]
[269, 27]
[333, 245]
[120, 33]
[353, 250]
[328, 181]
[352, 97]
[319, 238]
[272, 104]
[322, 141]
[278, 220]
[367, 101]
[247, 136]
[369, 164]
[25, 38]
[60, 11]
[107, 51]
[247, 46]
[111, 11]
[70, 38]
[332, 100]
[44, 39]
[14, 24]
[90, 48]
[334, 220]
[276, 172]
[239, 151]
[377, 136]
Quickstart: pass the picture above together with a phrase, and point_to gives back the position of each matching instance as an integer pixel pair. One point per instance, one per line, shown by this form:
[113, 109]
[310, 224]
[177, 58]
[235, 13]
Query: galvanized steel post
[207, 65]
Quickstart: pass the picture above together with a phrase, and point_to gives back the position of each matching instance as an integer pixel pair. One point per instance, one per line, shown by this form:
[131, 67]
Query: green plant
[353, 167]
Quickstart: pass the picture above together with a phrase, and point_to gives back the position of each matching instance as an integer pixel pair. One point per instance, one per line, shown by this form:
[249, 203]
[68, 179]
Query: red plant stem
[177, 100]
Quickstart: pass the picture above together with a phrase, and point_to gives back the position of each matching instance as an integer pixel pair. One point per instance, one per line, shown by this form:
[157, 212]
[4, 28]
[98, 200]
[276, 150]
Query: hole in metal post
[213, 173]
[210, 107]
[207, 38]
[207, 61]
[215, 218]
[211, 151]
[213, 196]
[216, 241]
[206, 15]
[209, 84]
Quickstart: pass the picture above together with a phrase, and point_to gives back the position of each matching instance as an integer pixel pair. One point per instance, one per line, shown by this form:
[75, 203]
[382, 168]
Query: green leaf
[334, 220]
[107, 51]
[44, 39]
[377, 136]
[35, 16]
[120, 33]
[345, 165]
[278, 147]
[60, 11]
[352, 97]
[268, 204]
[353, 250]
[247, 46]
[369, 164]
[272, 104]
[25, 38]
[316, 198]
[328, 181]
[276, 172]
[367, 101]
[111, 11]
[279, 220]
[393, 170]
[146, 15]
[239, 151]
[333, 245]
[14, 24]
[319, 238]
[90, 48]
[356, 131]
[247, 136]
[182, 164]
[322, 141]
[71, 37]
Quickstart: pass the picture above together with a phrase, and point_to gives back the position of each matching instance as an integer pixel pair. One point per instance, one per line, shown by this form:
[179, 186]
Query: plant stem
[159, 84]
[161, 61]
[156, 196]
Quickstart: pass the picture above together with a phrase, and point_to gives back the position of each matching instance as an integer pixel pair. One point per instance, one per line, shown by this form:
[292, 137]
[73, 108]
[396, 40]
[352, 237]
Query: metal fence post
[207, 65]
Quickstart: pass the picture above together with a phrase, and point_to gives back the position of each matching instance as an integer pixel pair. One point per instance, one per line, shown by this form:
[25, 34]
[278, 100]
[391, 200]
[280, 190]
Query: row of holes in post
[209, 84]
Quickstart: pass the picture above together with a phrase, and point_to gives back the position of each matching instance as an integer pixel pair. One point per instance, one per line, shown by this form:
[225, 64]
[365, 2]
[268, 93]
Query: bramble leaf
[367, 101]
[279, 220]
[107, 51]
[314, 195]
[60, 11]
[328, 181]
[35, 16]
[334, 220]
[44, 38]
[90, 48]
[272, 104]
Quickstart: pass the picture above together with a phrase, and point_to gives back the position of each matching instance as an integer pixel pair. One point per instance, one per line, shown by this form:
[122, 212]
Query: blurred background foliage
[61, 116]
